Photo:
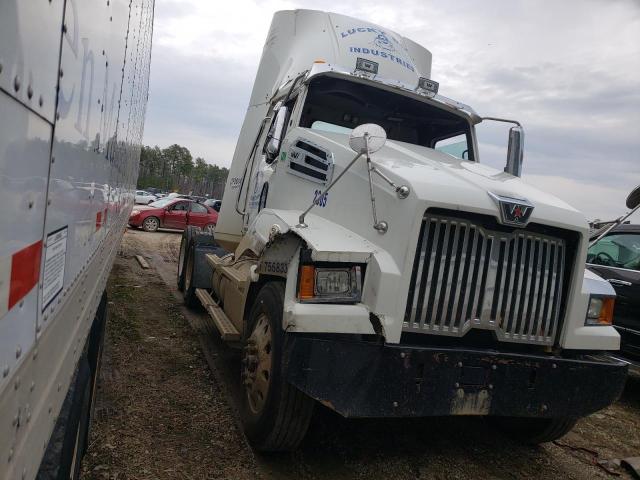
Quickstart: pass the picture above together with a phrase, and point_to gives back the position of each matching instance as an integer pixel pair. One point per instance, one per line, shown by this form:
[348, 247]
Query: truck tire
[189, 291]
[185, 243]
[275, 415]
[534, 431]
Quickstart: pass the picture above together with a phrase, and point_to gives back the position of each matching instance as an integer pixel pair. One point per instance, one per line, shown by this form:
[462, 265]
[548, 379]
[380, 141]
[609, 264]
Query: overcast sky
[569, 71]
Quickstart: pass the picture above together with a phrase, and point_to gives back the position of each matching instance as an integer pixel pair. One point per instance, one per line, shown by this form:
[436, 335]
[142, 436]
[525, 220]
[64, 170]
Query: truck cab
[373, 264]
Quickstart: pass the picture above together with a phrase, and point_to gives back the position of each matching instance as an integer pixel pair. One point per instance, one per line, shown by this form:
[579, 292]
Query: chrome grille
[465, 276]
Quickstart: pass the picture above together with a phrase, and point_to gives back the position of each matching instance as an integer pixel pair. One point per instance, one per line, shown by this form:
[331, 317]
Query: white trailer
[73, 92]
[366, 259]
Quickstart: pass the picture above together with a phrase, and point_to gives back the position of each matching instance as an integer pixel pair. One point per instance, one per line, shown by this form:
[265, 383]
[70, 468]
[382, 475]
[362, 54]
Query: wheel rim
[211, 228]
[151, 223]
[257, 364]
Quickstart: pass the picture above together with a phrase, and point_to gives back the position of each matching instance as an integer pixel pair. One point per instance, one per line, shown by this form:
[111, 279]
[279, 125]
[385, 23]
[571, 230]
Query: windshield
[338, 106]
[162, 202]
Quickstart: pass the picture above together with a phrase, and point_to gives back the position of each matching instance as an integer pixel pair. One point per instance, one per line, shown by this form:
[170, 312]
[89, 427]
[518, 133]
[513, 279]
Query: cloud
[569, 71]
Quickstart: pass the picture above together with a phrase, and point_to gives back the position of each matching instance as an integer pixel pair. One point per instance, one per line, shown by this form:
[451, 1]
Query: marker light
[600, 311]
[366, 66]
[306, 283]
[430, 87]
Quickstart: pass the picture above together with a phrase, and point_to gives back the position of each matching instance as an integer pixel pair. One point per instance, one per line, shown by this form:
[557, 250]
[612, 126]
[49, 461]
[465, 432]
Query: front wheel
[275, 414]
[150, 224]
[209, 228]
[534, 430]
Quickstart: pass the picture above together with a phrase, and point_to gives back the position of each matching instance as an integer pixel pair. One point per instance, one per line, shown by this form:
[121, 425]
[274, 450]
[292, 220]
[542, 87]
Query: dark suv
[616, 258]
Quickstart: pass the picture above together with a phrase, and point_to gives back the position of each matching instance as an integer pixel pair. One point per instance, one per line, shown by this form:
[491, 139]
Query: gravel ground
[169, 386]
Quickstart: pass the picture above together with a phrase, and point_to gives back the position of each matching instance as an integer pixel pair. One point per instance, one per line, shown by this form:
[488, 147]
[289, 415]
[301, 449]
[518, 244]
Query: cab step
[227, 330]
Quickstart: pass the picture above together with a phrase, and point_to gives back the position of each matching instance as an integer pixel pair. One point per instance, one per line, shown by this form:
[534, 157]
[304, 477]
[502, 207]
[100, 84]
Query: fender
[328, 242]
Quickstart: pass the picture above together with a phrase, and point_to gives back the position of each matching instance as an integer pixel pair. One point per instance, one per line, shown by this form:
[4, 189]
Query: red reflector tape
[25, 271]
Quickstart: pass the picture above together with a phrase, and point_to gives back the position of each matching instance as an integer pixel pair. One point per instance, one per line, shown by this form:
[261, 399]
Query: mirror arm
[613, 225]
[505, 120]
[301, 223]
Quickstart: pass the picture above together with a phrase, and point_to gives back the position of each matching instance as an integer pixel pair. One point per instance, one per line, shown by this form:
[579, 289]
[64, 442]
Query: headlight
[134, 213]
[600, 311]
[330, 284]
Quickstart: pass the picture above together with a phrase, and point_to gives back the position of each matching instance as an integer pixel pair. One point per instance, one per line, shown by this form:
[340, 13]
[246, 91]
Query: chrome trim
[466, 276]
[617, 268]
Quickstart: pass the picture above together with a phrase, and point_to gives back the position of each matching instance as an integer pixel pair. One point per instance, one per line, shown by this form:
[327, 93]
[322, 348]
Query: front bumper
[361, 379]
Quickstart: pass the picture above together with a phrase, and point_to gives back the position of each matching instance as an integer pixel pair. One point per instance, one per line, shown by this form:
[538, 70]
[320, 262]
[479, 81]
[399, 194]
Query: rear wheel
[189, 293]
[534, 430]
[185, 242]
[275, 415]
[209, 228]
[151, 224]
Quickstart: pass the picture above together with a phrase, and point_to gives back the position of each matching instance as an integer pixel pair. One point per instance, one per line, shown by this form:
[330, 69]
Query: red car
[175, 213]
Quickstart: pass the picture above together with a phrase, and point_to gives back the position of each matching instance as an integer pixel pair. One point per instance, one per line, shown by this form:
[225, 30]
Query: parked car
[175, 213]
[144, 198]
[616, 258]
[213, 203]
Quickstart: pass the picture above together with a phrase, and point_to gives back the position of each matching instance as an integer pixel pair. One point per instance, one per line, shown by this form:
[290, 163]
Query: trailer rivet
[40, 101]
[544, 408]
[16, 83]
[395, 404]
[32, 386]
[457, 385]
[59, 386]
[31, 204]
[490, 386]
[16, 385]
[494, 367]
[553, 365]
[18, 351]
[5, 371]
[29, 92]
[402, 355]
[459, 364]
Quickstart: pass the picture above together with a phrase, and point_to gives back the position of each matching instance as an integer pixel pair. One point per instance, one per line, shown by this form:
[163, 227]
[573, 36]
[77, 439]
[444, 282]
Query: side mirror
[367, 138]
[275, 133]
[633, 200]
[515, 151]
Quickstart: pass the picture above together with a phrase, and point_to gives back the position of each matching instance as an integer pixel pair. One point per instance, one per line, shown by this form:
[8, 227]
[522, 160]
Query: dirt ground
[168, 387]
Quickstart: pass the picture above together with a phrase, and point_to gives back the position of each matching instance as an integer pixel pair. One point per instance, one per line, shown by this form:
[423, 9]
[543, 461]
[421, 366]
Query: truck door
[176, 215]
[265, 161]
[616, 258]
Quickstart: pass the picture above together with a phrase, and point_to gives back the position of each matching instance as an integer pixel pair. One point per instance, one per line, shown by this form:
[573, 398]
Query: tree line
[174, 169]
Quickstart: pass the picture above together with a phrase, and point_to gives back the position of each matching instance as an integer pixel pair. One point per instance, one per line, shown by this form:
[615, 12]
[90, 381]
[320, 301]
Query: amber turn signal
[606, 313]
[307, 282]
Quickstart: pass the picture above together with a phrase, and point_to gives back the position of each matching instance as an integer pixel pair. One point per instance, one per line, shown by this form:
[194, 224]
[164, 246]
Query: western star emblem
[513, 211]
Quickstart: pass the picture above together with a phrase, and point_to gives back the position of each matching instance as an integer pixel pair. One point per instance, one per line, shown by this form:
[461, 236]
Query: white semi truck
[365, 258]
[73, 92]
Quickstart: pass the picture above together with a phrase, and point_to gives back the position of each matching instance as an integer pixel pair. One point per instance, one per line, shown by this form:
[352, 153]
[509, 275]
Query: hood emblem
[513, 211]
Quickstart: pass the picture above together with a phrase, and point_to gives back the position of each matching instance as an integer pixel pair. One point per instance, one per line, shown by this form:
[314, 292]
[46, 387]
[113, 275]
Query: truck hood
[441, 180]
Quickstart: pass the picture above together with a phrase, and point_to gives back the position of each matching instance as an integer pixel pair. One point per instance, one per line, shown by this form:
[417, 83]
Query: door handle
[620, 283]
